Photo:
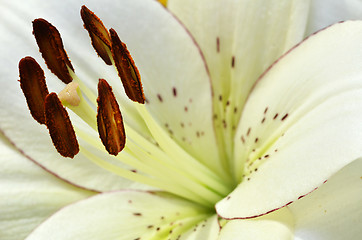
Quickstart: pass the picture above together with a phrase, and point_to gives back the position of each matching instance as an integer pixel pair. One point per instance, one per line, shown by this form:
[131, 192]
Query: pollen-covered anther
[109, 119]
[69, 95]
[127, 69]
[51, 47]
[99, 35]
[59, 126]
[32, 82]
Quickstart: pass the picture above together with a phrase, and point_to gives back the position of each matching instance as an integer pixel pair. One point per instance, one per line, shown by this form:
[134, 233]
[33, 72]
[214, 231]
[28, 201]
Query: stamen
[109, 119]
[127, 69]
[99, 35]
[52, 49]
[60, 128]
[32, 82]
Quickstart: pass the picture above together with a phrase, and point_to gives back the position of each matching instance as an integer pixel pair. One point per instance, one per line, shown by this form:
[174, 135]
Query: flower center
[159, 162]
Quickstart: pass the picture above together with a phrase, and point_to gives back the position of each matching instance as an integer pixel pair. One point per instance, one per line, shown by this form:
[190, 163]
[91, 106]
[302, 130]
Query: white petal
[239, 39]
[122, 215]
[275, 226]
[28, 194]
[326, 12]
[316, 89]
[334, 210]
[208, 229]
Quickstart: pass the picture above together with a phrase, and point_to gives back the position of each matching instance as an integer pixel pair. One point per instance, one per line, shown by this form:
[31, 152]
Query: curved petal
[326, 12]
[334, 210]
[122, 215]
[28, 195]
[239, 39]
[275, 226]
[316, 91]
[208, 229]
[152, 58]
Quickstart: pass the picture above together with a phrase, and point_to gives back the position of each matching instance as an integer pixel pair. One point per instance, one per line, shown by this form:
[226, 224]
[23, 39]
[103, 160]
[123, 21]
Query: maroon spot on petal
[248, 132]
[159, 97]
[284, 117]
[218, 44]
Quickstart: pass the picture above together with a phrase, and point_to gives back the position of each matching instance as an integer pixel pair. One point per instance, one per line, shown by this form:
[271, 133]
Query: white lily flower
[217, 152]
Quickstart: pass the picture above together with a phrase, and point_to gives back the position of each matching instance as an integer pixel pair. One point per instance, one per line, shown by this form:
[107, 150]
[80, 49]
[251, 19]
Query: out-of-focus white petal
[334, 210]
[326, 12]
[28, 194]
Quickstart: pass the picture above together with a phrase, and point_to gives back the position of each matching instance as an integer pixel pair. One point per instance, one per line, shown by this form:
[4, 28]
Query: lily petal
[208, 229]
[334, 210]
[316, 91]
[239, 39]
[29, 195]
[122, 215]
[326, 12]
[275, 226]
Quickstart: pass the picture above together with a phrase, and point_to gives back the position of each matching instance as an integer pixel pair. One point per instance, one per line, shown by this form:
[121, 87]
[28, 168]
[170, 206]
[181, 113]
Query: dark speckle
[220, 98]
[256, 140]
[159, 97]
[248, 132]
[284, 117]
[217, 44]
[233, 61]
[186, 109]
[262, 121]
[275, 116]
[266, 110]
[174, 91]
[137, 214]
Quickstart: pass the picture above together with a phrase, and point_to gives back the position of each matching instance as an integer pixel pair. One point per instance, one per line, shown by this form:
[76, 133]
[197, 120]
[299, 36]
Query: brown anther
[127, 69]
[32, 82]
[52, 49]
[99, 35]
[109, 119]
[60, 128]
